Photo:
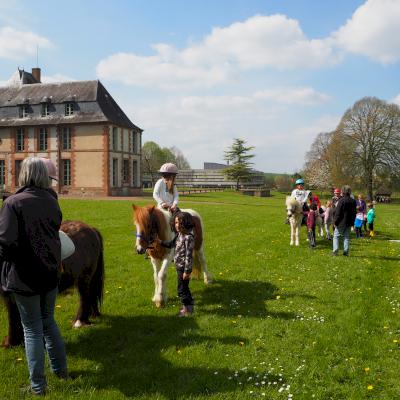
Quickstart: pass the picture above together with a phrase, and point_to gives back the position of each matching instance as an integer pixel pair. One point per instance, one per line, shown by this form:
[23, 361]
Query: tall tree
[238, 157]
[180, 160]
[372, 128]
[152, 159]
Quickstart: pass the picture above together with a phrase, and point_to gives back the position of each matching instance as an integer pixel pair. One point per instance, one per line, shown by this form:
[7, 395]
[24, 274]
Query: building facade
[79, 126]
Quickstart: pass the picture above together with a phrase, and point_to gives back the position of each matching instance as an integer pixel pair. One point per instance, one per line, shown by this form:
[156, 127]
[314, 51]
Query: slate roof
[94, 104]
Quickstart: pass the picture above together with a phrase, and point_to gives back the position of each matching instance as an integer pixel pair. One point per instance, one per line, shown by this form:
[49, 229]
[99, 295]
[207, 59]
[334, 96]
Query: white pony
[295, 214]
[154, 223]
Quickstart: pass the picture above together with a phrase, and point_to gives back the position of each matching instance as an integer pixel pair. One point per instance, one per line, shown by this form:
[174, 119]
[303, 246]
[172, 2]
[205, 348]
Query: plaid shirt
[184, 245]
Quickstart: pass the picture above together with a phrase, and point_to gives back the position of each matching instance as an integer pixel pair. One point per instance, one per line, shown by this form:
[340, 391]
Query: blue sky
[197, 74]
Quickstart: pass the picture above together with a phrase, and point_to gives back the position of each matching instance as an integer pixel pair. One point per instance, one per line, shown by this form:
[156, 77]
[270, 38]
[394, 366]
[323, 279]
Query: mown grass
[275, 316]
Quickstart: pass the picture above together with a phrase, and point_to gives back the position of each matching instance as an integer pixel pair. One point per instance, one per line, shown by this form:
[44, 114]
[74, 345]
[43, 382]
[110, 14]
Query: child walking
[328, 219]
[370, 219]
[311, 220]
[183, 259]
[358, 223]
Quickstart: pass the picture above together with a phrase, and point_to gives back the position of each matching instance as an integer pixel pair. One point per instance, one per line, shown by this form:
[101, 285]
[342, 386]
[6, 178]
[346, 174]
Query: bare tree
[180, 159]
[372, 128]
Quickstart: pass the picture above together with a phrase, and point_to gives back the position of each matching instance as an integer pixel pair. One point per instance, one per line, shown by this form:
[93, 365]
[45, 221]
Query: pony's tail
[97, 282]
[196, 269]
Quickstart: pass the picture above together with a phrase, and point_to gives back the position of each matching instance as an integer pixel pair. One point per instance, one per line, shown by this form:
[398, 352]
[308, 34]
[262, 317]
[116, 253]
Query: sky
[196, 74]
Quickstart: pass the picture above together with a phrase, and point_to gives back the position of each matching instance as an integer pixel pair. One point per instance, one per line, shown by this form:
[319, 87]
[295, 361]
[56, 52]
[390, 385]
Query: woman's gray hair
[346, 190]
[34, 173]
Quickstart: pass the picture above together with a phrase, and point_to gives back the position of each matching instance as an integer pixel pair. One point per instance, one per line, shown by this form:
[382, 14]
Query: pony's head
[146, 223]
[292, 206]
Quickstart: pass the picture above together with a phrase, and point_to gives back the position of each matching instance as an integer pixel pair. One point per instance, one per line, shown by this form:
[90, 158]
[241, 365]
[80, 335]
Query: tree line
[364, 149]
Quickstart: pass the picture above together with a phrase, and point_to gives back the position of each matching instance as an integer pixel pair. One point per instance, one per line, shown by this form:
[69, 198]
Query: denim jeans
[338, 233]
[40, 328]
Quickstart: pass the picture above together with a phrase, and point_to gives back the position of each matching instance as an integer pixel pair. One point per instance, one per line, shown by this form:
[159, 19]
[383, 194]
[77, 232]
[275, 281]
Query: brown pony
[84, 269]
[152, 223]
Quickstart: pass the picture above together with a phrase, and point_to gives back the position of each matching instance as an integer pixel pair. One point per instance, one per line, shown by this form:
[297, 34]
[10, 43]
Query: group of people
[342, 211]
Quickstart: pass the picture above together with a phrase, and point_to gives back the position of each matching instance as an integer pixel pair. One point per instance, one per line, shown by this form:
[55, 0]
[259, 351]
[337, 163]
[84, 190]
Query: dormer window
[69, 109]
[23, 111]
[45, 102]
[45, 110]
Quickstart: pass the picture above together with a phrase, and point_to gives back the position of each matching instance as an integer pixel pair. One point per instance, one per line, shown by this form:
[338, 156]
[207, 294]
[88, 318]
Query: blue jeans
[341, 232]
[40, 329]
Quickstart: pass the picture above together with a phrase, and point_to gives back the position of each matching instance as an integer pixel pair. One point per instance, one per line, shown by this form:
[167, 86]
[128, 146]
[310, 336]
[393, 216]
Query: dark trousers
[183, 289]
[358, 232]
[311, 237]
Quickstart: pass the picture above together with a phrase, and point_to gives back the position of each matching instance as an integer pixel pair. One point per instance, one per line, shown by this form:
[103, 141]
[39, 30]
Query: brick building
[79, 126]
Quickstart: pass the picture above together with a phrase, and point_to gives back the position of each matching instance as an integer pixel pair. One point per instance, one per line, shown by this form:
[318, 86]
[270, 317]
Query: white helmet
[51, 168]
[168, 168]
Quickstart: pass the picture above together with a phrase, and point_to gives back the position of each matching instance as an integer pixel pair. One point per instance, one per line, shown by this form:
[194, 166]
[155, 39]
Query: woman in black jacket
[31, 252]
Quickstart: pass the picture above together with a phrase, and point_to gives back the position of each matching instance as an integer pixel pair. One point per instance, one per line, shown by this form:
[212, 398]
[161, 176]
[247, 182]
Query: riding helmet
[168, 168]
[299, 182]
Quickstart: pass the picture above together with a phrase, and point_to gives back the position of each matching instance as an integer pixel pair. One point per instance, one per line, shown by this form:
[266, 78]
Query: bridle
[152, 230]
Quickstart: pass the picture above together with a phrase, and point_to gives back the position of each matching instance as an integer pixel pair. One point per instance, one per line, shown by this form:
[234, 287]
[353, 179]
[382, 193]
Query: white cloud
[299, 95]
[396, 100]
[373, 31]
[259, 42]
[16, 45]
[203, 127]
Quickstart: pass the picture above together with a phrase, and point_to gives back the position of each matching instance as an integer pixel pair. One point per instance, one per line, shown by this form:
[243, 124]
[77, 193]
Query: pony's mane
[142, 216]
[291, 201]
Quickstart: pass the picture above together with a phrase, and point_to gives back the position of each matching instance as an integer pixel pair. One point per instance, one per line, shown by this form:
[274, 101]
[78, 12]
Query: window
[23, 111]
[17, 171]
[115, 138]
[66, 138]
[135, 182]
[125, 171]
[45, 110]
[42, 139]
[2, 173]
[115, 172]
[20, 146]
[69, 109]
[66, 172]
[134, 145]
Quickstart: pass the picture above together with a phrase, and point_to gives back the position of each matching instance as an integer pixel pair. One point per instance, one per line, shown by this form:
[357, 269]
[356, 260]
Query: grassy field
[279, 322]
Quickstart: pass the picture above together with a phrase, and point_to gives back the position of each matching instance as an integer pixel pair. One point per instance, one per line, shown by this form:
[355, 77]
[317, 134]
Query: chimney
[36, 74]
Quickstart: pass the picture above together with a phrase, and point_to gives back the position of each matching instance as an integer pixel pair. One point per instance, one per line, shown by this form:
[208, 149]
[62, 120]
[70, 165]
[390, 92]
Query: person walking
[30, 251]
[343, 220]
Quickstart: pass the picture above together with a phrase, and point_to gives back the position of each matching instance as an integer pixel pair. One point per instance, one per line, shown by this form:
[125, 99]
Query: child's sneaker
[186, 311]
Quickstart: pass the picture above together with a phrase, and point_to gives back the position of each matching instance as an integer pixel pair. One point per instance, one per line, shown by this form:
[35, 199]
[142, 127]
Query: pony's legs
[156, 267]
[203, 262]
[297, 232]
[82, 316]
[15, 335]
[161, 294]
[292, 231]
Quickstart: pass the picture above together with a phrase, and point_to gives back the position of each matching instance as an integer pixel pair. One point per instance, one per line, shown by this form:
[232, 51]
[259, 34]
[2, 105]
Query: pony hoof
[160, 304]
[208, 280]
[79, 324]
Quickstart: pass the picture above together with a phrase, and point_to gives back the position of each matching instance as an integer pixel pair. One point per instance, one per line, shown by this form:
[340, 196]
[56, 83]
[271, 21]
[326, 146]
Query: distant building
[213, 176]
[78, 125]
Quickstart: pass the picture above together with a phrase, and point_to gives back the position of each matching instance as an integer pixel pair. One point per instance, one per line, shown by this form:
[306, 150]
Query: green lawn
[279, 322]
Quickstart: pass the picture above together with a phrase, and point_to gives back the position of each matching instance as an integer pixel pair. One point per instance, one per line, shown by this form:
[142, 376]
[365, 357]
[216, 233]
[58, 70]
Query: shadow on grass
[229, 298]
[131, 356]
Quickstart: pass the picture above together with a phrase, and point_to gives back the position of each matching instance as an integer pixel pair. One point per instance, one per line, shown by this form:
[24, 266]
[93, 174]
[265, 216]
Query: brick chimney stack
[36, 74]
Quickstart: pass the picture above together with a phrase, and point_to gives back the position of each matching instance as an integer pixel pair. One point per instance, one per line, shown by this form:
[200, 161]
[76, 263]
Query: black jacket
[345, 212]
[30, 246]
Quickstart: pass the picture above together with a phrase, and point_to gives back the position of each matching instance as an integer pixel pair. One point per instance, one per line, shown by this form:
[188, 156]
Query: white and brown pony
[294, 212]
[153, 223]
